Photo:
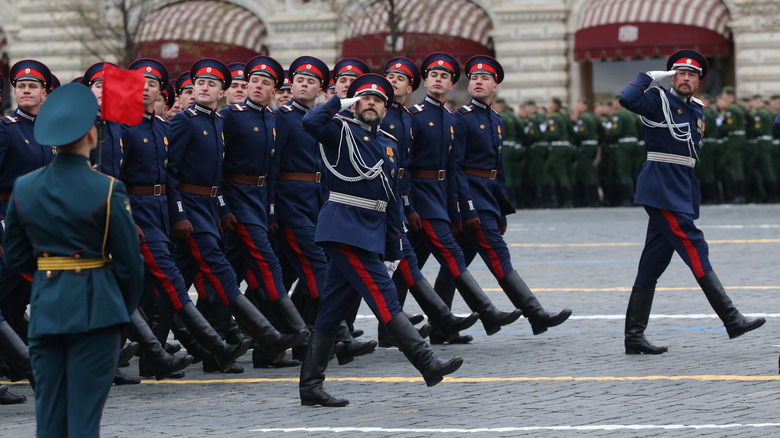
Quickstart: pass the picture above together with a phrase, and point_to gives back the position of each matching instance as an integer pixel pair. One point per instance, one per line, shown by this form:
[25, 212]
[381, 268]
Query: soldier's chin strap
[679, 131]
[364, 172]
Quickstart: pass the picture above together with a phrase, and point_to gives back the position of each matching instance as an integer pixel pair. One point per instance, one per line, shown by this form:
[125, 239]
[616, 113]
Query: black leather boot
[522, 297]
[492, 318]
[352, 347]
[289, 318]
[184, 336]
[251, 320]
[445, 289]
[438, 312]
[15, 353]
[7, 398]
[126, 353]
[120, 378]
[261, 360]
[736, 324]
[313, 372]
[223, 354]
[637, 316]
[419, 352]
[162, 363]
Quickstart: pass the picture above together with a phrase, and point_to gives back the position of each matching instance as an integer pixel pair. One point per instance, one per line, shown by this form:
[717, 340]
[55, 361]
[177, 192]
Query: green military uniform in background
[621, 138]
[730, 166]
[560, 160]
[758, 163]
[513, 156]
[537, 153]
[587, 132]
[710, 152]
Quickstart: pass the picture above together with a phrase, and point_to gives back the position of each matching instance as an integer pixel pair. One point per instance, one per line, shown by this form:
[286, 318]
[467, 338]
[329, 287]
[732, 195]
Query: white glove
[391, 266]
[658, 75]
[347, 103]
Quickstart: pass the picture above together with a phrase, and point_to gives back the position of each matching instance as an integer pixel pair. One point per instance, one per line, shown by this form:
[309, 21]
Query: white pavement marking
[589, 427]
[623, 316]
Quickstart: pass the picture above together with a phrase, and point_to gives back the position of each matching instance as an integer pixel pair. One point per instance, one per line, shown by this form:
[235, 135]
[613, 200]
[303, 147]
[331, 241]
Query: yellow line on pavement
[398, 379]
[607, 244]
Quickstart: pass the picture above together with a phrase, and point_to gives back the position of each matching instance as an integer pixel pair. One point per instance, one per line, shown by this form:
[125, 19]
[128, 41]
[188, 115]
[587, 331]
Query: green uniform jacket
[63, 210]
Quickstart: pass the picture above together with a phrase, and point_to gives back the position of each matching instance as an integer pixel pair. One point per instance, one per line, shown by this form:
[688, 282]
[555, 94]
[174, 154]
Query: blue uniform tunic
[668, 190]
[19, 154]
[356, 239]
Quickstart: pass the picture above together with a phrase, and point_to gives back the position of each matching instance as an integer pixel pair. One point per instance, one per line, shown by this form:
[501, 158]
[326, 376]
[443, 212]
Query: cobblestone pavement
[571, 381]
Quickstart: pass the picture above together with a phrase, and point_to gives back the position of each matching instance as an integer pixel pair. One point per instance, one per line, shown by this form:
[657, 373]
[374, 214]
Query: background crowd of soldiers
[556, 157]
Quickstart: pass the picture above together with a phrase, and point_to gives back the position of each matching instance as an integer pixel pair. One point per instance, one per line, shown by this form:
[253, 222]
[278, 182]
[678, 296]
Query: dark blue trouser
[73, 375]
[307, 259]
[669, 232]
[354, 273]
[163, 278]
[201, 254]
[250, 249]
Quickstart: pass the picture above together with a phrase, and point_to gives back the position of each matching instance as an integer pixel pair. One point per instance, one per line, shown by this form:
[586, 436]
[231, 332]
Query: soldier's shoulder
[466, 109]
[163, 120]
[10, 118]
[416, 108]
[388, 135]
[286, 109]
[237, 107]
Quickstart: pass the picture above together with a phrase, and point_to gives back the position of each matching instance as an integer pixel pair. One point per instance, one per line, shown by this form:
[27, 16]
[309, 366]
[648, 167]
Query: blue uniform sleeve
[406, 182]
[467, 210]
[454, 175]
[777, 124]
[127, 261]
[315, 122]
[180, 138]
[393, 249]
[19, 252]
[280, 138]
[634, 98]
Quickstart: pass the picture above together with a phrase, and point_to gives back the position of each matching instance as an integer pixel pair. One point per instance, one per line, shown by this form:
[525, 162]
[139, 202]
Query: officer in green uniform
[587, 132]
[511, 150]
[71, 229]
[621, 137]
[761, 172]
[713, 144]
[537, 154]
[732, 123]
[774, 108]
[560, 160]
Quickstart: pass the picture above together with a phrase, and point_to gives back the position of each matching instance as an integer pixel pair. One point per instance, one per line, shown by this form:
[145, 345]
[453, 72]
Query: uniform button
[499, 148]
[256, 129]
[430, 123]
[45, 254]
[165, 163]
[76, 256]
[481, 126]
[366, 139]
[78, 269]
[205, 133]
[392, 173]
[48, 273]
[272, 151]
[146, 140]
[392, 126]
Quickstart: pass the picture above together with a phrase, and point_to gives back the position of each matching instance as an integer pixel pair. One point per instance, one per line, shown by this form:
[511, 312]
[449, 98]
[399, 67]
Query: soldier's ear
[222, 94]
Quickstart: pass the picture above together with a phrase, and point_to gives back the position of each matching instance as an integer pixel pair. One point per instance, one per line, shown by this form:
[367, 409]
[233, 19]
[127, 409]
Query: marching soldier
[669, 191]
[513, 151]
[432, 210]
[404, 76]
[238, 86]
[87, 274]
[20, 154]
[184, 89]
[284, 93]
[365, 195]
[196, 209]
[111, 150]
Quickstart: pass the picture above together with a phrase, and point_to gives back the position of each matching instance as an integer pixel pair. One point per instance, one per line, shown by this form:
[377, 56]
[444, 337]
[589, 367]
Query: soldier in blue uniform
[145, 174]
[20, 153]
[484, 203]
[364, 195]
[404, 76]
[250, 131]
[6, 397]
[236, 94]
[184, 88]
[87, 271]
[109, 157]
[196, 207]
[345, 72]
[668, 189]
[432, 209]
[284, 93]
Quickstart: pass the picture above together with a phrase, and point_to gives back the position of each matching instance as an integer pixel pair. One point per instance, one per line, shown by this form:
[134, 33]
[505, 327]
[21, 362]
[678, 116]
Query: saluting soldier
[20, 153]
[404, 77]
[669, 191]
[196, 207]
[236, 94]
[87, 271]
[433, 208]
[364, 194]
[250, 131]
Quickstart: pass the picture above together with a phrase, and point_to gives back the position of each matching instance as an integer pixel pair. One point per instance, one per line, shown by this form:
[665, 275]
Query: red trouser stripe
[161, 277]
[251, 280]
[257, 256]
[311, 282]
[368, 281]
[407, 273]
[200, 287]
[451, 263]
[494, 260]
[206, 271]
[689, 248]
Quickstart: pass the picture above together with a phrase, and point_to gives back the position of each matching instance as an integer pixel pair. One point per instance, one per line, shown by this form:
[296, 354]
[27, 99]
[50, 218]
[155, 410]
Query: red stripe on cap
[263, 67]
[350, 68]
[149, 69]
[186, 82]
[401, 66]
[210, 71]
[371, 87]
[96, 76]
[311, 68]
[686, 62]
[441, 63]
[31, 72]
[485, 67]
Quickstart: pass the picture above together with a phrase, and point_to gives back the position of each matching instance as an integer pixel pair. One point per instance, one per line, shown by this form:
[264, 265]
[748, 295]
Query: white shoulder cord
[679, 131]
[364, 171]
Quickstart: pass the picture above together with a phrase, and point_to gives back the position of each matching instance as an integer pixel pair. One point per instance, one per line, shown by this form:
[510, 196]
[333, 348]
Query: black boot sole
[453, 366]
[752, 326]
[558, 319]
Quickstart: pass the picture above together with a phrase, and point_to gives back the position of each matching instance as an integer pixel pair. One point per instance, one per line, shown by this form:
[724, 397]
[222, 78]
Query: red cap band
[401, 66]
[210, 71]
[349, 68]
[372, 88]
[483, 67]
[32, 72]
[147, 70]
[263, 68]
[309, 68]
[687, 62]
[441, 64]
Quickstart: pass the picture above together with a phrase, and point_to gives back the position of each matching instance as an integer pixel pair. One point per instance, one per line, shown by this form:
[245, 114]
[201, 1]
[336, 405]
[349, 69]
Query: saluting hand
[413, 219]
[182, 229]
[658, 75]
[140, 233]
[228, 222]
[347, 103]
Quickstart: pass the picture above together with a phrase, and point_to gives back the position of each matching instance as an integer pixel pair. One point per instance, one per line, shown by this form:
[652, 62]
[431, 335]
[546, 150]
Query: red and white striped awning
[204, 21]
[455, 18]
[609, 29]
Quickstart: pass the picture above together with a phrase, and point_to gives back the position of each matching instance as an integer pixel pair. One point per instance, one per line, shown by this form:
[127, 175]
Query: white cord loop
[679, 131]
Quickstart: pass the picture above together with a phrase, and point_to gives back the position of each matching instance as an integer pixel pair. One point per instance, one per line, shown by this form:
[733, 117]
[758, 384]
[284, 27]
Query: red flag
[123, 93]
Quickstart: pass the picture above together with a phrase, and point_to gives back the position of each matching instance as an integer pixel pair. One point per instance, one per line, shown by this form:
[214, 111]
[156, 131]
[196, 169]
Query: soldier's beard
[370, 118]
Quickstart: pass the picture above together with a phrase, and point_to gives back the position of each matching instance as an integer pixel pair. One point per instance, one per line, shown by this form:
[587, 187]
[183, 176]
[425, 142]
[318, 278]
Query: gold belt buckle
[260, 181]
[492, 174]
[214, 190]
[442, 175]
[157, 189]
[317, 176]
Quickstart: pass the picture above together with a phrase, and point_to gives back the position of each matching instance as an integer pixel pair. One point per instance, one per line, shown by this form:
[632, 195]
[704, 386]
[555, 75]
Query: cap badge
[373, 86]
[149, 69]
[241, 72]
[479, 65]
[27, 71]
[441, 62]
[208, 69]
[349, 67]
[688, 61]
[398, 65]
[262, 67]
[308, 66]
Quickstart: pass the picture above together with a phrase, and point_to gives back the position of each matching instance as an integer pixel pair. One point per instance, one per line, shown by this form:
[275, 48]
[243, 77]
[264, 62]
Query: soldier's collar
[203, 109]
[433, 101]
[679, 96]
[148, 116]
[253, 105]
[477, 103]
[25, 114]
[364, 126]
[300, 107]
